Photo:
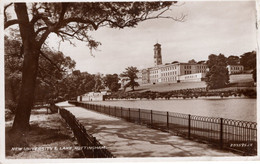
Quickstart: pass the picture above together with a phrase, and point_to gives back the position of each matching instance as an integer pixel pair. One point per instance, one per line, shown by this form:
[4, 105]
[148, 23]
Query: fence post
[189, 127]
[139, 111]
[115, 111]
[109, 110]
[167, 120]
[129, 114]
[221, 133]
[151, 117]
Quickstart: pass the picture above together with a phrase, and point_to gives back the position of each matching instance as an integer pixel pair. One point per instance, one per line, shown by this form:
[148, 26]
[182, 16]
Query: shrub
[250, 93]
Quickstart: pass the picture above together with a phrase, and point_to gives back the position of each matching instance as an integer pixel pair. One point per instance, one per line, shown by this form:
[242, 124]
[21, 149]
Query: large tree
[233, 60]
[248, 60]
[69, 21]
[98, 83]
[75, 84]
[217, 76]
[48, 72]
[130, 75]
[111, 81]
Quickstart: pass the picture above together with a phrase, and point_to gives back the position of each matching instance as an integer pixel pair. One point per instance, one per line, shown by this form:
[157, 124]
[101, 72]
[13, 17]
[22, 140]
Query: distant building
[235, 69]
[192, 77]
[175, 72]
[139, 77]
[93, 96]
[145, 76]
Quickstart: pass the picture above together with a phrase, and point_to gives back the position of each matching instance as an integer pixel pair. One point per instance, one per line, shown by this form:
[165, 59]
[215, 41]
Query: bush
[250, 93]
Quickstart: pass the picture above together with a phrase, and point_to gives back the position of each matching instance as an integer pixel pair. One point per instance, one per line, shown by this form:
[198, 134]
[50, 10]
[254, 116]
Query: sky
[209, 28]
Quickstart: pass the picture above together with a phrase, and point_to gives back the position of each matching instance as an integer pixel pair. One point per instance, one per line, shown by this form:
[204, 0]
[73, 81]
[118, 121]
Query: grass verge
[49, 137]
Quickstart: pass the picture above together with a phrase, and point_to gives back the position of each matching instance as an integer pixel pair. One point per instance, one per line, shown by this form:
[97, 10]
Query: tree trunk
[29, 72]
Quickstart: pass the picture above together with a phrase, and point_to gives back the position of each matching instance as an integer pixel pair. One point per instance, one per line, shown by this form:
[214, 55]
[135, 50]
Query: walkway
[125, 139]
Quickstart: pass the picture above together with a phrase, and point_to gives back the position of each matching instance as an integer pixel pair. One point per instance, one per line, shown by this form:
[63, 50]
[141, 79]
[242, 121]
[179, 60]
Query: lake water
[232, 108]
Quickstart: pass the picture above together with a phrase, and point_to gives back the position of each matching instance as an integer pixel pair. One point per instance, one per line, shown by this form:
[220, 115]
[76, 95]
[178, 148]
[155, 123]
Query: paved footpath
[125, 139]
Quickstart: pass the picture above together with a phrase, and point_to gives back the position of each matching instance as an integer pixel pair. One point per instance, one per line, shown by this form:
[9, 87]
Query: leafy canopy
[217, 76]
[111, 81]
[130, 75]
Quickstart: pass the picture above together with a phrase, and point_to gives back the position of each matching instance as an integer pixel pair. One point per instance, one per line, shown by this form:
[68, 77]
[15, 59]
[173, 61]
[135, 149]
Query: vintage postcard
[131, 80]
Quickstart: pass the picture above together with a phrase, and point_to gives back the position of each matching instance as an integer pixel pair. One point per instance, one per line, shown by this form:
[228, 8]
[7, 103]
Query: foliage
[217, 76]
[250, 93]
[248, 60]
[130, 74]
[192, 61]
[115, 87]
[98, 83]
[175, 62]
[201, 62]
[185, 93]
[233, 60]
[111, 81]
[13, 74]
[219, 60]
[48, 72]
[75, 84]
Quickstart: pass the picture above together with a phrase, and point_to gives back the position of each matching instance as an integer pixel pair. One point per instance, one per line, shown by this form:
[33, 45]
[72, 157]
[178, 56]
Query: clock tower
[157, 54]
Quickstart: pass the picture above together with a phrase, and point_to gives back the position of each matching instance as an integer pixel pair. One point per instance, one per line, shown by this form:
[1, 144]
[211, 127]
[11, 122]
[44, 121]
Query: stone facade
[157, 55]
[235, 69]
[175, 72]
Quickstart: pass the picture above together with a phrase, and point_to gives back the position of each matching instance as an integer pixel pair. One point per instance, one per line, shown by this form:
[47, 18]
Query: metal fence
[91, 148]
[235, 135]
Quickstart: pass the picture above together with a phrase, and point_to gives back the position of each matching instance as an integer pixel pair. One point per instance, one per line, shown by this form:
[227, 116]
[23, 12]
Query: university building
[170, 72]
[235, 69]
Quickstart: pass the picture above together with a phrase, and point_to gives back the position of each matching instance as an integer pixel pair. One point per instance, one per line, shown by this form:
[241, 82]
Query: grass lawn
[47, 131]
[240, 80]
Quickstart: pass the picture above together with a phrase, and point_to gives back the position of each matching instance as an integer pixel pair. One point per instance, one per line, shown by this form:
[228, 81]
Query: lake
[232, 108]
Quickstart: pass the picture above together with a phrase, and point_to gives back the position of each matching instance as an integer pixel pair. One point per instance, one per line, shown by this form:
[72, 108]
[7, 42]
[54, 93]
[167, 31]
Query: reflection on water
[232, 108]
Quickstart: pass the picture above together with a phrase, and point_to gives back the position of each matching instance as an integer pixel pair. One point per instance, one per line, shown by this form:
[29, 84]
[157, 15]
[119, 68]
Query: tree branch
[11, 22]
[63, 11]
[46, 57]
[78, 20]
[43, 38]
[35, 18]
[40, 29]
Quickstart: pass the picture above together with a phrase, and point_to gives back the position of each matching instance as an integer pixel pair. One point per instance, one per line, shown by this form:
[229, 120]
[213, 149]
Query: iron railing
[235, 135]
[91, 148]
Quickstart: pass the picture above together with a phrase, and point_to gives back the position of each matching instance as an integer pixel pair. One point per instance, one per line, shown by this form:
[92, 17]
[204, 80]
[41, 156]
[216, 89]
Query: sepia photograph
[129, 79]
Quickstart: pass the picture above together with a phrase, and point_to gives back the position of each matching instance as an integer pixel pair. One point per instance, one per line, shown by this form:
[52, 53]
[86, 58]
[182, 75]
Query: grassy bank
[49, 137]
[240, 85]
